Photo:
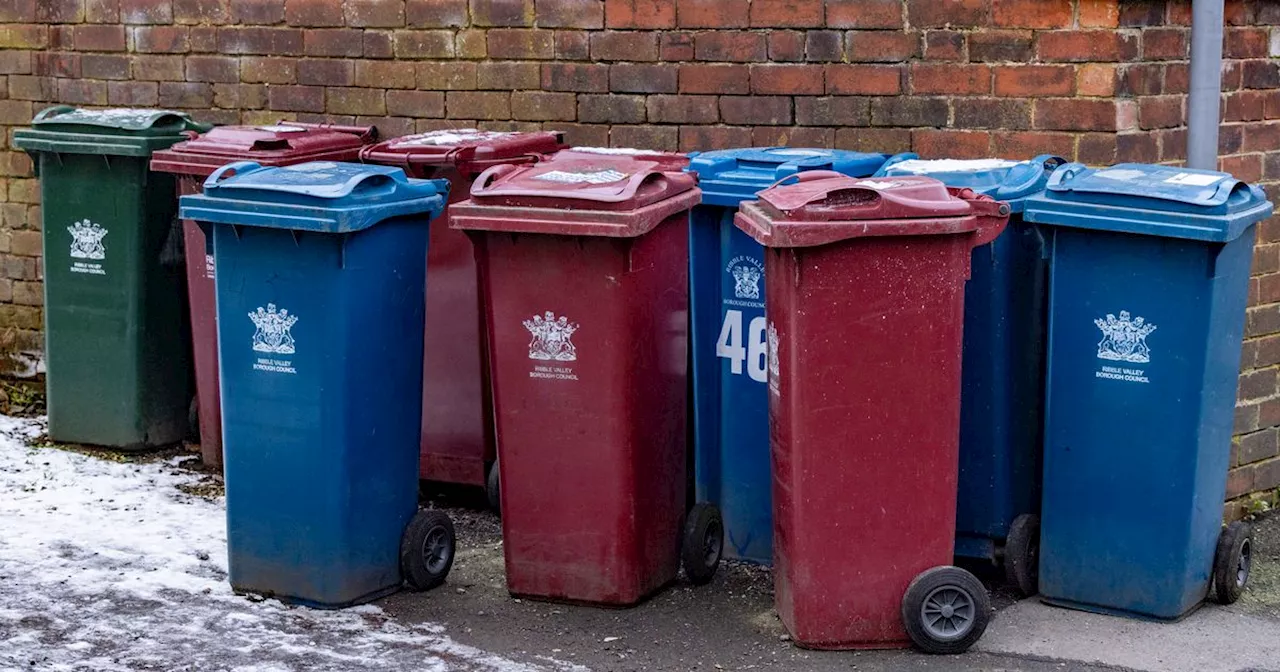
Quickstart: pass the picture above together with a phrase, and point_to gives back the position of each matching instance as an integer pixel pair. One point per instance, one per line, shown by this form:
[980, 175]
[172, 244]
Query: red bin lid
[467, 149]
[577, 194]
[283, 143]
[822, 207]
[670, 161]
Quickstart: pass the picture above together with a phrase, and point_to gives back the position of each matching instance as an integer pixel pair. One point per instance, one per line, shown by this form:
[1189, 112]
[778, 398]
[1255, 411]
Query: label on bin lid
[129, 119]
[582, 179]
[1156, 200]
[596, 177]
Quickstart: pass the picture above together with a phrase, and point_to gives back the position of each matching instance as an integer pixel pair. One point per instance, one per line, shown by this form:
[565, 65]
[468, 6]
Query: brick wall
[1098, 81]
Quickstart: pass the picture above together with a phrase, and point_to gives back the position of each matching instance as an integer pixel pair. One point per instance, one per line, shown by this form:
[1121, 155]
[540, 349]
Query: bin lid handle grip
[808, 175]
[52, 111]
[230, 170]
[489, 175]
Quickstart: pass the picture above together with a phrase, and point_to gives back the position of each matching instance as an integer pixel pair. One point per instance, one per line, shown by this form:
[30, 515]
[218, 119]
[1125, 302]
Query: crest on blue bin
[1124, 339]
[273, 330]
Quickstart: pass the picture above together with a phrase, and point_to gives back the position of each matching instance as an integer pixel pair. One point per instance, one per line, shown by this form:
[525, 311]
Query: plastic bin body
[118, 362]
[457, 414]
[191, 162]
[1148, 286]
[319, 280]
[1002, 372]
[865, 293]
[730, 401]
[586, 269]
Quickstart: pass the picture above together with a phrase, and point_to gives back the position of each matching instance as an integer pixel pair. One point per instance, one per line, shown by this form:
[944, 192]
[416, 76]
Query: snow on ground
[108, 566]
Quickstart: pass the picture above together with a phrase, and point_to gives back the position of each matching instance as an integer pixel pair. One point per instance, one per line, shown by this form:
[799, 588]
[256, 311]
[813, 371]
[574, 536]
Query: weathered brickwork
[1097, 81]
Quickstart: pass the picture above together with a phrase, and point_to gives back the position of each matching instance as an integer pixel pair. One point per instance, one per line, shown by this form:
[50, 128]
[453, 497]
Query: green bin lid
[119, 131]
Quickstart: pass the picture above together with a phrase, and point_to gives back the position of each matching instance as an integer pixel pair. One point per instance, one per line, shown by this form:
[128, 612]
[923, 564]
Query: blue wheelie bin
[1002, 380]
[319, 277]
[1149, 277]
[728, 343]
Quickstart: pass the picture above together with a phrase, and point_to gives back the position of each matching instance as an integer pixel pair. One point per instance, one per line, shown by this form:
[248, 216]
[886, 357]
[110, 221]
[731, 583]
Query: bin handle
[807, 176]
[992, 215]
[489, 175]
[229, 170]
[365, 133]
[51, 111]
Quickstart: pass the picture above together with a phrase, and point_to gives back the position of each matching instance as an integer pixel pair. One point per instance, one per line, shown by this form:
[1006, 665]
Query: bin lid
[319, 196]
[116, 131]
[823, 208]
[671, 161]
[270, 144]
[729, 176]
[1150, 200]
[468, 149]
[1004, 180]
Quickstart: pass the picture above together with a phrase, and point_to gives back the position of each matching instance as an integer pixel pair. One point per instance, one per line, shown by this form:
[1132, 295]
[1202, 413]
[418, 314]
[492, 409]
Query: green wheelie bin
[118, 360]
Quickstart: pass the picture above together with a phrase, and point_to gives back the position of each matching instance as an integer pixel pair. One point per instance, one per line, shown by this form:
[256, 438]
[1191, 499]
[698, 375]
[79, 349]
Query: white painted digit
[730, 343]
[758, 354]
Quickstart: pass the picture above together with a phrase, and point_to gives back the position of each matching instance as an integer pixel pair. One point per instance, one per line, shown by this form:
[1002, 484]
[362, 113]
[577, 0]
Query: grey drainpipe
[1206, 84]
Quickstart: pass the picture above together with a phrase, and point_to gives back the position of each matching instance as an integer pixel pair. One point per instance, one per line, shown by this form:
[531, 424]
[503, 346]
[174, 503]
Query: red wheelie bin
[457, 407]
[281, 144]
[585, 262]
[864, 282]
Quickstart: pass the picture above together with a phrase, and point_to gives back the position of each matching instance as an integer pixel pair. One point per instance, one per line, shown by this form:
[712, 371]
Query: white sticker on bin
[1122, 174]
[1195, 179]
[597, 177]
[878, 185]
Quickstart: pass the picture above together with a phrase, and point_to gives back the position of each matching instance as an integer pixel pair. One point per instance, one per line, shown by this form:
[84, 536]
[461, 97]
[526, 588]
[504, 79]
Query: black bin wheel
[702, 544]
[1232, 562]
[946, 610]
[427, 549]
[493, 488]
[1022, 554]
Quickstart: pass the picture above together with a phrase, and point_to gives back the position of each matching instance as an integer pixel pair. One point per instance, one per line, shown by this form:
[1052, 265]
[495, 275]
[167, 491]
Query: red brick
[739, 47]
[255, 70]
[415, 103]
[864, 13]
[267, 41]
[641, 14]
[675, 46]
[661, 138]
[1239, 482]
[201, 11]
[944, 45]
[944, 13]
[1165, 44]
[1264, 444]
[1261, 74]
[1075, 114]
[1160, 112]
[683, 109]
[436, 13]
[573, 45]
[508, 75]
[451, 76]
[204, 39]
[643, 78]
[876, 80]
[142, 94]
[756, 110]
[950, 79]
[1034, 80]
[1099, 13]
[386, 74]
[791, 136]
[478, 105]
[158, 68]
[414, 44]
[521, 43]
[102, 11]
[589, 78]
[1086, 45]
[260, 12]
[786, 13]
[48, 11]
[624, 46]
[951, 144]
[611, 109]
[1246, 106]
[296, 98]
[332, 42]
[379, 44]
[195, 95]
[1140, 79]
[1246, 43]
[787, 80]
[786, 45]
[18, 11]
[213, 69]
[161, 40]
[1022, 145]
[705, 138]
[100, 38]
[374, 13]
[714, 78]
[313, 13]
[60, 37]
[887, 46]
[508, 13]
[1001, 45]
[1032, 13]
[1142, 12]
[347, 100]
[833, 111]
[909, 111]
[570, 14]
[1096, 79]
[994, 113]
[1261, 138]
[15, 62]
[543, 106]
[888, 140]
[823, 45]
[712, 13]
[1137, 148]
[147, 11]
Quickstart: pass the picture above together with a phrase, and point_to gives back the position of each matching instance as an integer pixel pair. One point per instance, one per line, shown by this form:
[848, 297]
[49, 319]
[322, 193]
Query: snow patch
[455, 137]
[926, 166]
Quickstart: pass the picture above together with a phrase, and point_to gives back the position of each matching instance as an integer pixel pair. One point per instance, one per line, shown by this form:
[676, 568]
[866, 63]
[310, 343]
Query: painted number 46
[756, 351]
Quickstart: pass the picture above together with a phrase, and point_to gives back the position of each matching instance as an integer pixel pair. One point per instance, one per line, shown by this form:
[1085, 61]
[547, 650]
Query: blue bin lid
[1150, 200]
[320, 196]
[1009, 181]
[730, 176]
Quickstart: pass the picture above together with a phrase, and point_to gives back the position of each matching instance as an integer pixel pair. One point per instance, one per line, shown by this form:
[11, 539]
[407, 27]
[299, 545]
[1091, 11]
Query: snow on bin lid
[324, 196]
[269, 144]
[63, 129]
[1002, 179]
[590, 181]
[126, 119]
[730, 176]
[1151, 200]
[464, 146]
